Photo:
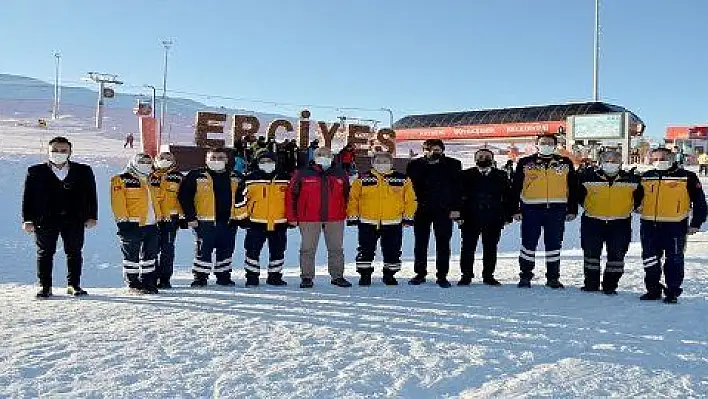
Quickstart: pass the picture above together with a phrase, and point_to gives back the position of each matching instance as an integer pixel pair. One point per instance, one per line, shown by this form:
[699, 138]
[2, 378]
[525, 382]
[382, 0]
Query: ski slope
[329, 342]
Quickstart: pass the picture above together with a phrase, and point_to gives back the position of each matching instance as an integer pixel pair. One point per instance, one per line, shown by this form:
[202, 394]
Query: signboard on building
[597, 127]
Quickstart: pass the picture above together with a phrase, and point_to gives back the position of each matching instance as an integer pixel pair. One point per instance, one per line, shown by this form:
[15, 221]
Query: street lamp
[167, 44]
[55, 108]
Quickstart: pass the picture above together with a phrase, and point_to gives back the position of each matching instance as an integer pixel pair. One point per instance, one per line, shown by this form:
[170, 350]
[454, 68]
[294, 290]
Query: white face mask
[58, 158]
[324, 162]
[267, 167]
[163, 163]
[382, 168]
[610, 168]
[546, 149]
[143, 168]
[216, 166]
[663, 165]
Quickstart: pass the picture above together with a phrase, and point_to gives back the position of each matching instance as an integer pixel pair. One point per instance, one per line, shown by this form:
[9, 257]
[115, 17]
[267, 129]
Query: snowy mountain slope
[379, 341]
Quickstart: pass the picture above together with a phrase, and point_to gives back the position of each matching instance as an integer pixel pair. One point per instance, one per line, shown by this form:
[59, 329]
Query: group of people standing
[151, 201]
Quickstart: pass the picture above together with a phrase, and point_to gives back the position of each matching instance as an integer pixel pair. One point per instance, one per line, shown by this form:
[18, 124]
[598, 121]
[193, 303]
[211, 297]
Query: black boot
[524, 283]
[589, 288]
[365, 279]
[417, 280]
[149, 281]
[200, 279]
[341, 282]
[465, 280]
[389, 279]
[443, 283]
[307, 283]
[75, 290]
[490, 281]
[252, 279]
[44, 292]
[276, 279]
[554, 284]
[651, 296]
[224, 279]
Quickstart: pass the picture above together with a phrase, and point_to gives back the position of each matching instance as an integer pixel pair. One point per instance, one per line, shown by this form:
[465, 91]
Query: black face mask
[435, 156]
[484, 163]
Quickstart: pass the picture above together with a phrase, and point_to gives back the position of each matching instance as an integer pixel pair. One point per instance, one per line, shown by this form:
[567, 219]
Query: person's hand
[292, 225]
[407, 223]
[459, 222]
[517, 217]
[692, 230]
[193, 224]
[91, 223]
[454, 215]
[570, 217]
[28, 227]
[638, 210]
[352, 222]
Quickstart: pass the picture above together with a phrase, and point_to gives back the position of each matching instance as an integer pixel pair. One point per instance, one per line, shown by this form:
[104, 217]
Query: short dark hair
[60, 139]
[484, 150]
[434, 142]
[547, 135]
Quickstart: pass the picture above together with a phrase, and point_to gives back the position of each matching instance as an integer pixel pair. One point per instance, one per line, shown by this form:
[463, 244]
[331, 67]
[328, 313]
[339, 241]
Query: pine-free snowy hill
[28, 99]
[403, 341]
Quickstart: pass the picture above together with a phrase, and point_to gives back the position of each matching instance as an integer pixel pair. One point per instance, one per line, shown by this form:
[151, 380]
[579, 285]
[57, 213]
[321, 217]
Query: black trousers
[391, 237]
[166, 250]
[256, 236]
[663, 242]
[46, 237]
[139, 246]
[442, 225]
[550, 220]
[490, 240]
[616, 236]
[218, 239]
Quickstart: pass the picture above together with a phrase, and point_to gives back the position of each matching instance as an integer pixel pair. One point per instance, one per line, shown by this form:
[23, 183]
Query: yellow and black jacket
[380, 199]
[609, 198]
[262, 198]
[209, 196]
[669, 196]
[130, 198]
[168, 182]
[540, 180]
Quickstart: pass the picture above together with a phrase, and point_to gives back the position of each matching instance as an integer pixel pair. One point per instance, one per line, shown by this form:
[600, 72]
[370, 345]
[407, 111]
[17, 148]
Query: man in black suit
[59, 199]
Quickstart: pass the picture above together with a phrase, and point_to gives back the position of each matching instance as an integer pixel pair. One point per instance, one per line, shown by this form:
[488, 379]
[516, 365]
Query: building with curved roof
[504, 124]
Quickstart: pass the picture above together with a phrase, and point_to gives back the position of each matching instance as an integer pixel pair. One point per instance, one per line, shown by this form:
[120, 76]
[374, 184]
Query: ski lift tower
[103, 92]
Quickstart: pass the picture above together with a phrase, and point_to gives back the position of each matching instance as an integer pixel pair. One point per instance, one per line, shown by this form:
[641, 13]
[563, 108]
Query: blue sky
[413, 56]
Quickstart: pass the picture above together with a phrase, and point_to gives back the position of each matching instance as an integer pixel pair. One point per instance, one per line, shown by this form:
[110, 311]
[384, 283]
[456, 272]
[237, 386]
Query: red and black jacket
[317, 195]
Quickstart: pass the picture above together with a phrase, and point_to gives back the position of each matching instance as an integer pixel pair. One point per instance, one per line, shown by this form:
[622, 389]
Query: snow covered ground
[379, 341]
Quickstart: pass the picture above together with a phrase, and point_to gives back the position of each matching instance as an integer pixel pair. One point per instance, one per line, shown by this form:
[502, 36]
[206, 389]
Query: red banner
[148, 135]
[510, 130]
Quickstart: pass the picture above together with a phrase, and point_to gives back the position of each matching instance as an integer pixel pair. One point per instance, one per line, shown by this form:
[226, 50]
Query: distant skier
[136, 209]
[129, 140]
[59, 199]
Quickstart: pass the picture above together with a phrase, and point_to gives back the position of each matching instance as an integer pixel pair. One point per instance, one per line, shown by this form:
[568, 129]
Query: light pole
[596, 55]
[55, 108]
[163, 111]
[390, 116]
